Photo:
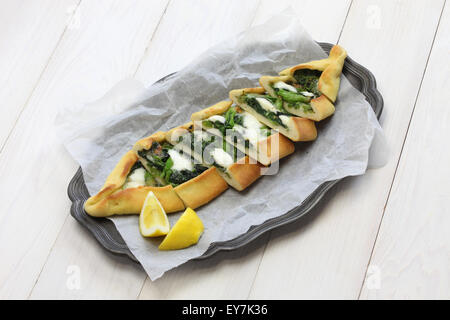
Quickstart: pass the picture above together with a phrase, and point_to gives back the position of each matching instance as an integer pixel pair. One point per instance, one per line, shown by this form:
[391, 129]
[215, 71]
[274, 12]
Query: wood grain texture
[26, 27]
[106, 46]
[412, 253]
[219, 20]
[80, 268]
[190, 27]
[332, 15]
[51, 61]
[332, 246]
[231, 275]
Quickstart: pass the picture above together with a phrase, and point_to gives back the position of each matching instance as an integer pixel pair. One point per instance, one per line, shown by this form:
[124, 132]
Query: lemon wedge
[153, 220]
[186, 232]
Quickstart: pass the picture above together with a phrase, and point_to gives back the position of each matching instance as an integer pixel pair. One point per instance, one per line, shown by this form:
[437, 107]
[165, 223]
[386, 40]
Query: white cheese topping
[222, 158]
[307, 94]
[284, 119]
[253, 126]
[136, 179]
[285, 86]
[217, 118]
[251, 129]
[250, 122]
[267, 105]
[180, 162]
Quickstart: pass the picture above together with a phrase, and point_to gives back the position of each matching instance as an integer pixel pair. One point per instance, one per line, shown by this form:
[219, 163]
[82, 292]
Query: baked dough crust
[218, 108]
[201, 189]
[321, 106]
[263, 152]
[299, 129]
[243, 173]
[331, 68]
[197, 191]
[239, 175]
[112, 199]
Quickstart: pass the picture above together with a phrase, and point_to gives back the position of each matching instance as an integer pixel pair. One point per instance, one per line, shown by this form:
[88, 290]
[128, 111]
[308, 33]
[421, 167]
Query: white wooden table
[385, 234]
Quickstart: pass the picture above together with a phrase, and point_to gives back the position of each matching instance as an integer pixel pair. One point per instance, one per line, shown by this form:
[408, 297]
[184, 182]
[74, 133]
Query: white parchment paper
[97, 135]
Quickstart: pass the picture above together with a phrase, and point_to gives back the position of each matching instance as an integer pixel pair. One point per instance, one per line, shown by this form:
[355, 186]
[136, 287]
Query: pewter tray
[107, 235]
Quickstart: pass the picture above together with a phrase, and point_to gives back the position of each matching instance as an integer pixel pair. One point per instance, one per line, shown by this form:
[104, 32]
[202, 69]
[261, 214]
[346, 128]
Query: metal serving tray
[107, 235]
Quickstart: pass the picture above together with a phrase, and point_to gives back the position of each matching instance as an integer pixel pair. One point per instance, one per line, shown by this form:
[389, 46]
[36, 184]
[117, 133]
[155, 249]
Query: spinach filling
[250, 100]
[160, 166]
[156, 157]
[149, 181]
[308, 80]
[295, 100]
[232, 118]
[177, 177]
[207, 144]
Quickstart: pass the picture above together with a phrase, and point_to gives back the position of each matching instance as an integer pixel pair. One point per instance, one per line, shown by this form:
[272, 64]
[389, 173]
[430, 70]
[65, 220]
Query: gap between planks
[139, 65]
[31, 93]
[270, 232]
[38, 80]
[165, 10]
[401, 151]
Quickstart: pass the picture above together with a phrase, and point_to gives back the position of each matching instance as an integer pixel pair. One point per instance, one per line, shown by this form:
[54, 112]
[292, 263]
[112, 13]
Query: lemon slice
[153, 220]
[186, 232]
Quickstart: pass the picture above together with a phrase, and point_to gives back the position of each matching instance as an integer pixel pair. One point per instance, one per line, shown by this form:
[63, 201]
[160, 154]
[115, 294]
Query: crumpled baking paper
[98, 134]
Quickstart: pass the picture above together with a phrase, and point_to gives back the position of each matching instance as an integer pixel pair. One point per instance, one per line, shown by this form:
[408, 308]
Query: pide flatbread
[309, 89]
[194, 183]
[296, 101]
[328, 70]
[269, 111]
[237, 169]
[229, 143]
[117, 198]
[146, 168]
[244, 131]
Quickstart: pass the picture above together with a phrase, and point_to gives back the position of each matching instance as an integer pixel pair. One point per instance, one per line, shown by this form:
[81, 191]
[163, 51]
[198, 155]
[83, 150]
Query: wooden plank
[412, 253]
[190, 27]
[106, 46]
[80, 268]
[332, 15]
[332, 246]
[230, 275]
[26, 27]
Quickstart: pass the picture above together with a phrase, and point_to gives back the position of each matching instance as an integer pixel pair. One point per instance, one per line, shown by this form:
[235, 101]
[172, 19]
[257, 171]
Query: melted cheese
[250, 122]
[180, 162]
[222, 158]
[285, 86]
[136, 179]
[251, 129]
[307, 94]
[285, 120]
[217, 118]
[267, 105]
